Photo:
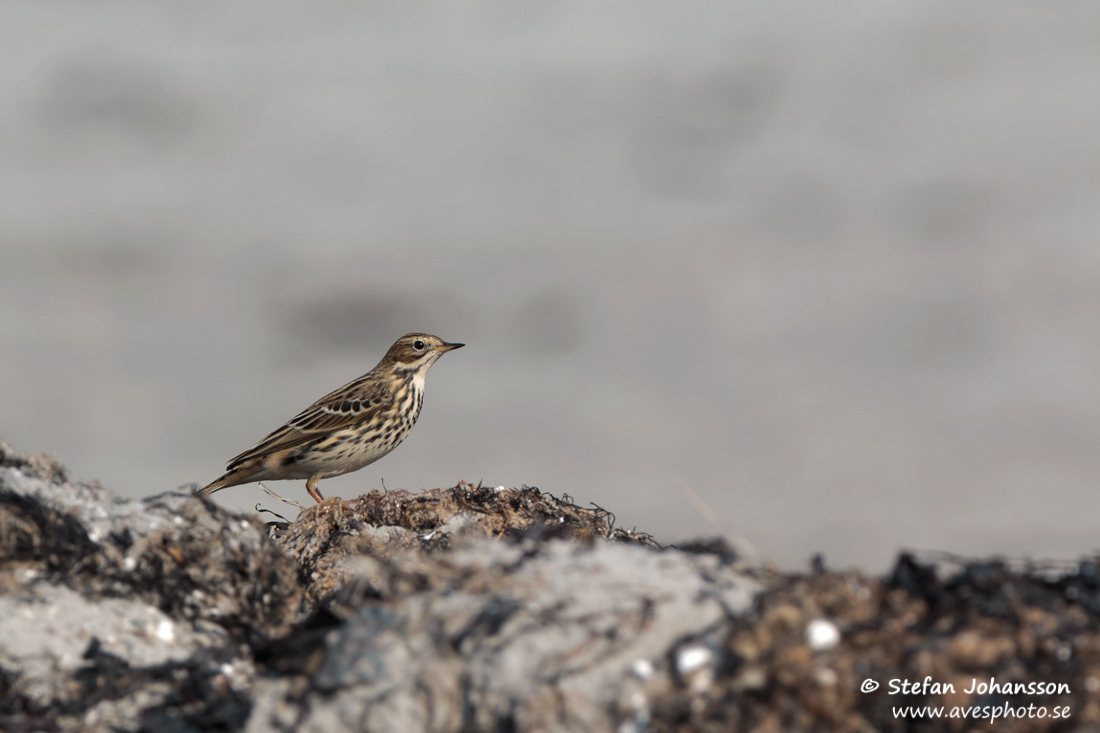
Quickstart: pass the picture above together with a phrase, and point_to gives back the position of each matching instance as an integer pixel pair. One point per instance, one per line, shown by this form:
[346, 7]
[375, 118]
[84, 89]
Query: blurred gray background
[826, 277]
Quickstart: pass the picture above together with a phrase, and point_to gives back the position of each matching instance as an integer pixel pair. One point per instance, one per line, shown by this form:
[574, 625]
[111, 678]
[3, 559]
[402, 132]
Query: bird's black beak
[450, 347]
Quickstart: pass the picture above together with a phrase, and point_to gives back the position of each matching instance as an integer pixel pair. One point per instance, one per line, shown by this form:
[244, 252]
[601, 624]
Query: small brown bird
[347, 429]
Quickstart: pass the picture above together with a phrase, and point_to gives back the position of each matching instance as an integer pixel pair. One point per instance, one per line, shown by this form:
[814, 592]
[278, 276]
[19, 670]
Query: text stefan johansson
[929, 687]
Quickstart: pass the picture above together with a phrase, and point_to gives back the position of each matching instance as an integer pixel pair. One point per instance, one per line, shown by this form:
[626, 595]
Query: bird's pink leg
[312, 490]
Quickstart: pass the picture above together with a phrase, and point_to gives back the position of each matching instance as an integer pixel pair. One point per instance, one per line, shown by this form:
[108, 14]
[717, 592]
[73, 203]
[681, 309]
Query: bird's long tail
[230, 478]
[211, 488]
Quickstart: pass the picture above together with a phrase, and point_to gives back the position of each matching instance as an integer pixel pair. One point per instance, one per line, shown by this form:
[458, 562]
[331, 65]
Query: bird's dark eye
[418, 344]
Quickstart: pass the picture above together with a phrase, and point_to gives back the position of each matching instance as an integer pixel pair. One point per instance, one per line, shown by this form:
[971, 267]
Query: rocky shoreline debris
[479, 608]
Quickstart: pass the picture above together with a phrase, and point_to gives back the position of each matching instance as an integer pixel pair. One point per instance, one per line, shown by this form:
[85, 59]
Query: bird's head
[416, 352]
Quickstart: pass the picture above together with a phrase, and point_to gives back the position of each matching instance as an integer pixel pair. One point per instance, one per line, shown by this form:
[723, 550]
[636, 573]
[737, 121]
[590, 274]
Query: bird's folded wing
[347, 406]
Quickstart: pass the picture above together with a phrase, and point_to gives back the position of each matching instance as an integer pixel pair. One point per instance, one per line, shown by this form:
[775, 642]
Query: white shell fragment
[165, 630]
[643, 669]
[822, 634]
[692, 658]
